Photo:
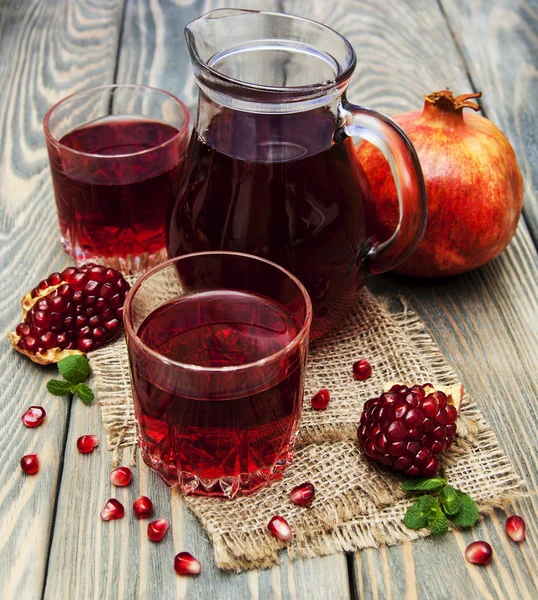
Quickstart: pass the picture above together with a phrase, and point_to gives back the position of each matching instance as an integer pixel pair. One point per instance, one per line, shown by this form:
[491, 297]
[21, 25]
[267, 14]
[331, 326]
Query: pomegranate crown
[445, 99]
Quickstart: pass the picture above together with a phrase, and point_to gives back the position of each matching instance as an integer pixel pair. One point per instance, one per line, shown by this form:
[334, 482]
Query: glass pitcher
[271, 167]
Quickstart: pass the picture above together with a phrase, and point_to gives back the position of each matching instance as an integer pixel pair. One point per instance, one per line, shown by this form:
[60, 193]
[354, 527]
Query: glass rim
[320, 88]
[296, 341]
[53, 140]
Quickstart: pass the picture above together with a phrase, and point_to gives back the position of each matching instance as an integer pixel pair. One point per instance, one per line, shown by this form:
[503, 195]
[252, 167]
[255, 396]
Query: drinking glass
[217, 346]
[114, 152]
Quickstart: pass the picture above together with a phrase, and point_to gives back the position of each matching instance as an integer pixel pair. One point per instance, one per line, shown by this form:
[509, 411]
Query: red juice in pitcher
[248, 437]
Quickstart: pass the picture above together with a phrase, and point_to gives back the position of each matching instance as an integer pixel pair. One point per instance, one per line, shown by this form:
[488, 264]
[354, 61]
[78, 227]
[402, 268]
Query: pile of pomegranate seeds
[408, 428]
[186, 564]
[157, 529]
[280, 528]
[515, 528]
[30, 464]
[76, 310]
[143, 507]
[321, 400]
[362, 369]
[479, 553]
[121, 476]
[87, 443]
[34, 416]
[113, 509]
[303, 494]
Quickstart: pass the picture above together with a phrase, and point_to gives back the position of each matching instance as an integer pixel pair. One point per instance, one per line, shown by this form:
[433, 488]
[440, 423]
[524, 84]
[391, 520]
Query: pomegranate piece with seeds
[280, 528]
[157, 529]
[303, 494]
[362, 369]
[408, 428]
[143, 507]
[121, 476]
[186, 564]
[113, 509]
[34, 416]
[30, 464]
[515, 528]
[321, 400]
[479, 553]
[72, 312]
[87, 443]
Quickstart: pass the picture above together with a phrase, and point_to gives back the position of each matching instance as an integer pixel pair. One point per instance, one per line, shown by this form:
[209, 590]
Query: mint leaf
[450, 501]
[84, 393]
[467, 515]
[418, 513]
[437, 521]
[423, 484]
[59, 387]
[74, 368]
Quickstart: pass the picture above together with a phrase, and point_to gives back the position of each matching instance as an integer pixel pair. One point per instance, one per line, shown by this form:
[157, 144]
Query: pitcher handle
[390, 139]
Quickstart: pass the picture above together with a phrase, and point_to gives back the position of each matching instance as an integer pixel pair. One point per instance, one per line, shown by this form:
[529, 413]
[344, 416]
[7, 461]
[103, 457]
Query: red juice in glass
[113, 169]
[218, 373]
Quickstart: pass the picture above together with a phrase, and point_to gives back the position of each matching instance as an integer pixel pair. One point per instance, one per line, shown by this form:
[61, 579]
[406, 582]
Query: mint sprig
[74, 369]
[441, 504]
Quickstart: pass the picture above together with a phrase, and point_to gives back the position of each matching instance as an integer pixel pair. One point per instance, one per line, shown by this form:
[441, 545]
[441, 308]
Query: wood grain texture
[47, 50]
[485, 322]
[499, 42]
[116, 560]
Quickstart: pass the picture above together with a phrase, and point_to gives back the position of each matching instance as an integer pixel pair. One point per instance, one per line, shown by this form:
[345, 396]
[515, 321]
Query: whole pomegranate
[473, 182]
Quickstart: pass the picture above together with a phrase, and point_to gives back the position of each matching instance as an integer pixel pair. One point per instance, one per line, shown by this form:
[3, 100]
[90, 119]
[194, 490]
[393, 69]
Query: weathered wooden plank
[116, 560]
[485, 321]
[499, 41]
[47, 50]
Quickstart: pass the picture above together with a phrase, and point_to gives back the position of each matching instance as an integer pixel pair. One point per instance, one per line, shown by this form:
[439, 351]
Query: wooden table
[53, 544]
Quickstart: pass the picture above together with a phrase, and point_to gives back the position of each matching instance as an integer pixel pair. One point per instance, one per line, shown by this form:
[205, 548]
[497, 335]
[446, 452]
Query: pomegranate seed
[303, 494]
[87, 443]
[157, 529]
[515, 528]
[320, 401]
[362, 369]
[143, 507]
[34, 416]
[479, 553]
[121, 476]
[186, 564]
[113, 510]
[30, 464]
[280, 528]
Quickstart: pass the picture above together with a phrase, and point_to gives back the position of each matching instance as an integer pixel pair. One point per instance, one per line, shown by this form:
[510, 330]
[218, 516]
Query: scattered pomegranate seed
[280, 528]
[34, 416]
[157, 529]
[113, 510]
[121, 476]
[186, 564]
[362, 369]
[320, 401]
[87, 443]
[479, 553]
[515, 528]
[303, 494]
[143, 507]
[30, 464]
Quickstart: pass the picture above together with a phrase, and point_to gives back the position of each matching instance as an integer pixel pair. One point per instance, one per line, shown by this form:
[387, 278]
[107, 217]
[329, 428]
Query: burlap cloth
[357, 504]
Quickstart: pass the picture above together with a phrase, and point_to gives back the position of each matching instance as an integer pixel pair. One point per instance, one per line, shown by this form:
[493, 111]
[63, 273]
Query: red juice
[112, 203]
[279, 187]
[211, 443]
